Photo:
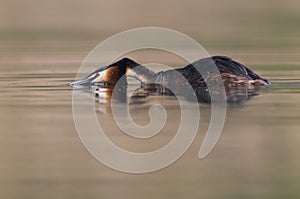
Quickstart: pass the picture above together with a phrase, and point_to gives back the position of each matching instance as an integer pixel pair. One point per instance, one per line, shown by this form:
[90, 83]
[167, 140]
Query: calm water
[41, 155]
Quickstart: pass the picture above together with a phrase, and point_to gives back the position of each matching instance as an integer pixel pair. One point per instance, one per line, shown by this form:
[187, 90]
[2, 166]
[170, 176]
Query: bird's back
[232, 72]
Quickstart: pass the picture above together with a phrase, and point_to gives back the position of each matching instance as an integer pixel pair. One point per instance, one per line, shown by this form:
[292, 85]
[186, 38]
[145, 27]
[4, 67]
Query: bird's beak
[89, 80]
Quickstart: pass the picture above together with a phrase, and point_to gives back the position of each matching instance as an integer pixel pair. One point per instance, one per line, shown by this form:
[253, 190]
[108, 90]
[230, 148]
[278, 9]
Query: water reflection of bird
[233, 75]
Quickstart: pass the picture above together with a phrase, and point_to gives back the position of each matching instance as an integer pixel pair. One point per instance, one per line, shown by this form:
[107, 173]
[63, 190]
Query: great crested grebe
[233, 74]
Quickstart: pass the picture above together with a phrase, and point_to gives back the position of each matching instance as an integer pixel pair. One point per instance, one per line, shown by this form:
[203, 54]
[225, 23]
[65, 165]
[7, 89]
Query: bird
[197, 74]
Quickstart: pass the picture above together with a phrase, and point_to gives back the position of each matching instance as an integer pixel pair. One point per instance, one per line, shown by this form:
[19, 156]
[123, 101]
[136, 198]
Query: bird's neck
[141, 73]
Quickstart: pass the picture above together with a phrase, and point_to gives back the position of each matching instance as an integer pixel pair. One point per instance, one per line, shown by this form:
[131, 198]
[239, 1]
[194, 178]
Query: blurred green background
[254, 32]
[267, 23]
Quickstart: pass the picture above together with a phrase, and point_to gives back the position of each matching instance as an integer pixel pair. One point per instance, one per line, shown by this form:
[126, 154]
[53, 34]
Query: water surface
[42, 157]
